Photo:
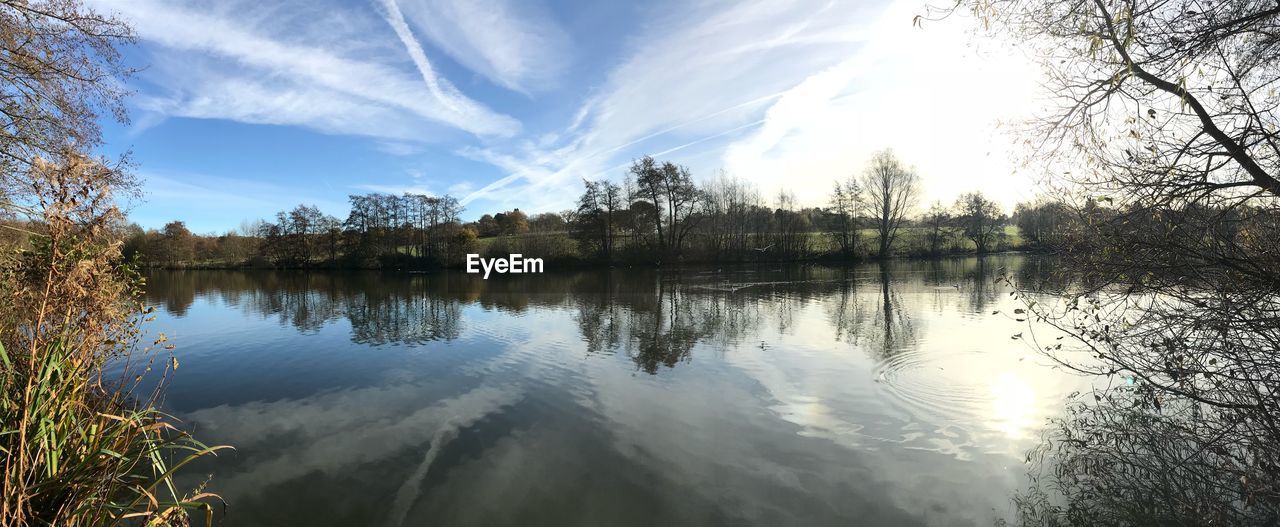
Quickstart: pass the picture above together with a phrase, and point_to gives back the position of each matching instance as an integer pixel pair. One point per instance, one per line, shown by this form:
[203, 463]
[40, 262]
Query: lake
[880, 394]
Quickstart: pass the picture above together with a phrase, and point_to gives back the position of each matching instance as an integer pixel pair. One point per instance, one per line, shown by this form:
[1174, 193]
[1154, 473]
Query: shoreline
[558, 266]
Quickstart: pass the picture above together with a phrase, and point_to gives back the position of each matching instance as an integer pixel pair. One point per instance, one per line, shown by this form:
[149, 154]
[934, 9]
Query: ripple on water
[935, 386]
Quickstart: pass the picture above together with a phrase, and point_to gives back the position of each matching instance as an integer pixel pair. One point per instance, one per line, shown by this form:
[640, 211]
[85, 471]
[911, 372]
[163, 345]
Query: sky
[244, 108]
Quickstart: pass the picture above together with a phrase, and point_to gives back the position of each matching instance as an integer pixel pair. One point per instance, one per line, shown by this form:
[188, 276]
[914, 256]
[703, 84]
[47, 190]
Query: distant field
[915, 237]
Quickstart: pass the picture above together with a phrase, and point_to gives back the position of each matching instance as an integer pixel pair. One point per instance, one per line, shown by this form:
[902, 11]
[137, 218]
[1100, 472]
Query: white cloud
[517, 45]
[397, 148]
[696, 74]
[416, 185]
[720, 56]
[787, 95]
[255, 73]
[338, 430]
[790, 96]
[529, 170]
[205, 94]
[461, 188]
[936, 101]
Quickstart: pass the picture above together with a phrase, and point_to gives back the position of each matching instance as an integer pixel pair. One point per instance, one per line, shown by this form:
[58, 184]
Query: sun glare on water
[1012, 405]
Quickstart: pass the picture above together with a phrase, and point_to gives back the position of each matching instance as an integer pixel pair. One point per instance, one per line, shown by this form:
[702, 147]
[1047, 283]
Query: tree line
[657, 215]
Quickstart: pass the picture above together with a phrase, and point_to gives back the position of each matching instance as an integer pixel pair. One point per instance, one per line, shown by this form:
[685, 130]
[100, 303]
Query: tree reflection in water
[1181, 430]
[795, 334]
[657, 319]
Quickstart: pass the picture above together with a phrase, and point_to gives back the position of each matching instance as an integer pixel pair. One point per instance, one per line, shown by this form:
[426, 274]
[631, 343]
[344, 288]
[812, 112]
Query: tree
[506, 223]
[1171, 100]
[648, 176]
[891, 191]
[937, 224]
[726, 218]
[385, 229]
[1167, 112]
[487, 226]
[644, 217]
[594, 226]
[135, 243]
[546, 222]
[1043, 224]
[177, 244]
[513, 222]
[235, 248]
[791, 229]
[273, 246]
[441, 229]
[461, 242]
[59, 70]
[305, 223]
[296, 235]
[846, 201]
[330, 228]
[676, 200]
[980, 220]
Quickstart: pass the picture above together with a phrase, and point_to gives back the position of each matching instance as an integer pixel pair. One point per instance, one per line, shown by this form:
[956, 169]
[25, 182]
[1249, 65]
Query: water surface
[883, 394]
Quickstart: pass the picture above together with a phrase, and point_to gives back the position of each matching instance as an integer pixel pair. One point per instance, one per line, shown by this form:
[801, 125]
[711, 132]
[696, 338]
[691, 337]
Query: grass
[79, 454]
[81, 447]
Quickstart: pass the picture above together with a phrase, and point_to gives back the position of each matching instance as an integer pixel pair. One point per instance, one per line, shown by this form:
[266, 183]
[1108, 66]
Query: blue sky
[245, 108]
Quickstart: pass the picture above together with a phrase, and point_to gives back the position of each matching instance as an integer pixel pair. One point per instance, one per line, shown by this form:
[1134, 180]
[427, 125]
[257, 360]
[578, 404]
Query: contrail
[396, 19]
[411, 488]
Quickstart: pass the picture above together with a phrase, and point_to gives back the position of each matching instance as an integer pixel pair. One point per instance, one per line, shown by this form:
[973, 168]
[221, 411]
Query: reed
[83, 442]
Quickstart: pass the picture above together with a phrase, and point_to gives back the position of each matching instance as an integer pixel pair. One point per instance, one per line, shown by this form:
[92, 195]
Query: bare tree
[891, 190]
[669, 188]
[937, 224]
[791, 229]
[727, 225]
[1167, 111]
[330, 229]
[1164, 100]
[846, 201]
[594, 226]
[59, 70]
[611, 200]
